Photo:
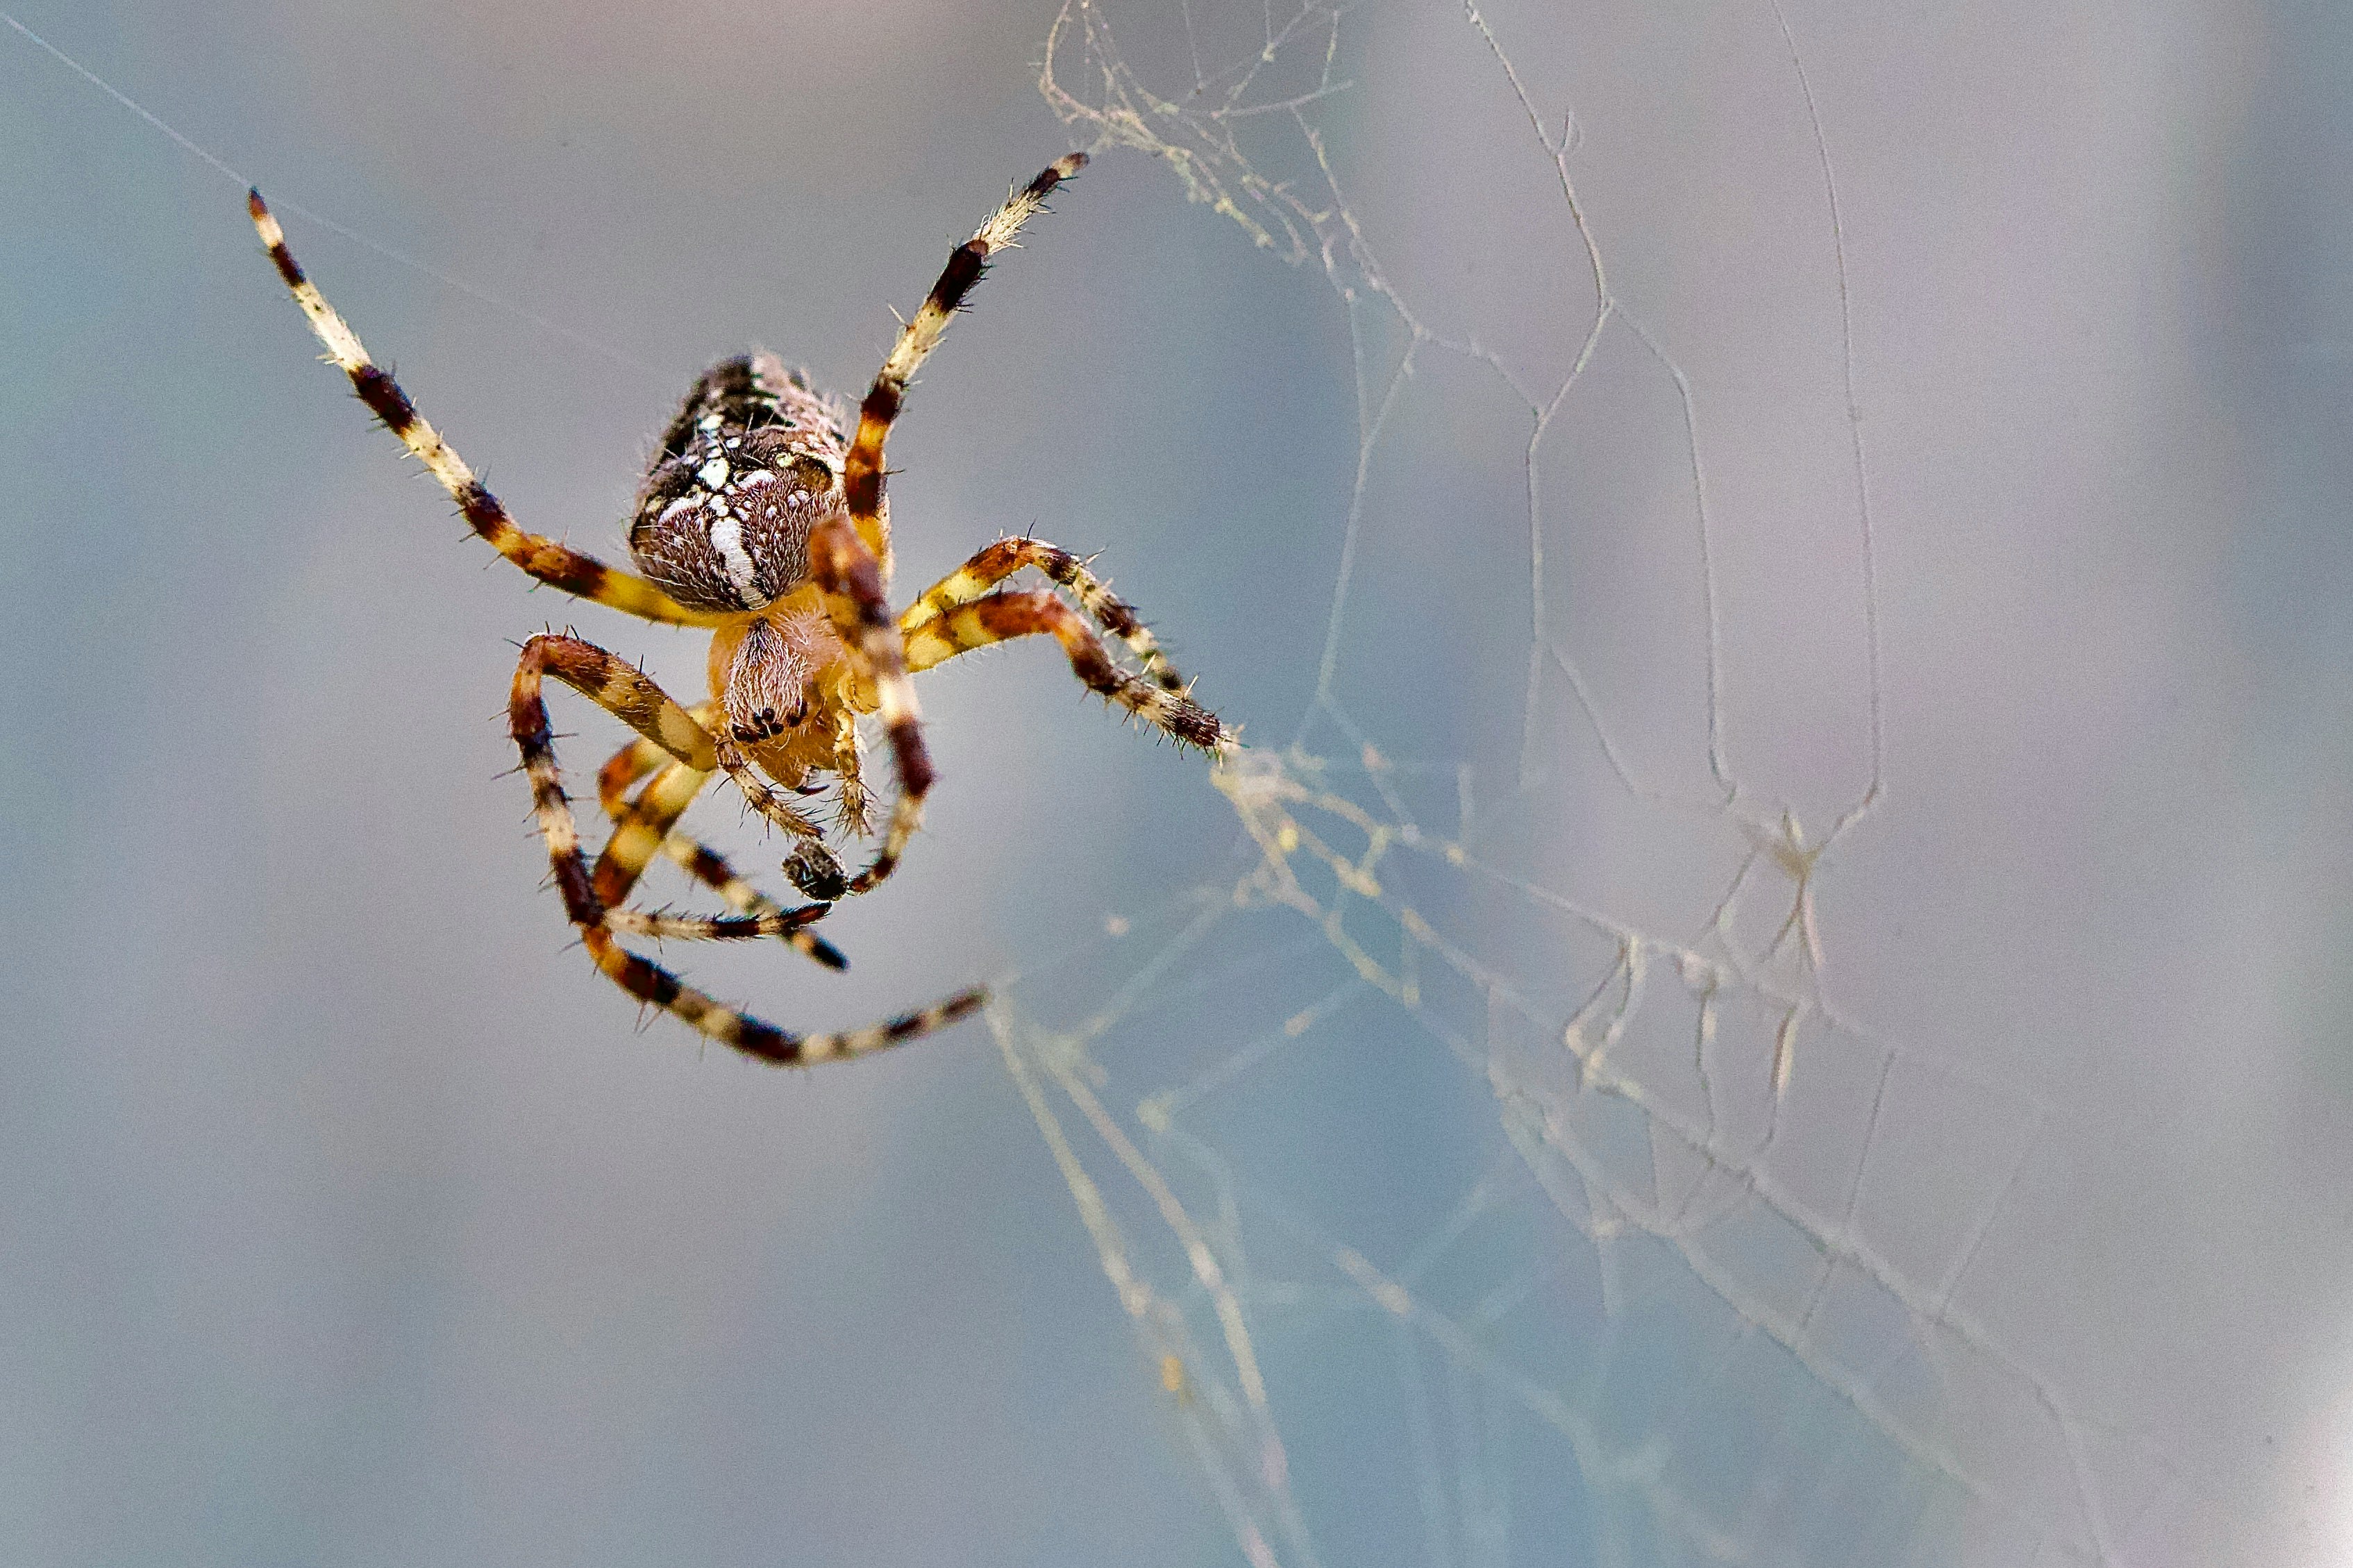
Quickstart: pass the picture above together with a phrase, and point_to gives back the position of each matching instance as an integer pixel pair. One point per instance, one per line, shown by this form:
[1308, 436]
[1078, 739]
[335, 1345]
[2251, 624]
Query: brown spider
[762, 518]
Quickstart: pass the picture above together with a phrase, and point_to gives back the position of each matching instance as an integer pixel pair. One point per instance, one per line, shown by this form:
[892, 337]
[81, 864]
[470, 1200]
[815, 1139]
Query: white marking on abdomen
[727, 538]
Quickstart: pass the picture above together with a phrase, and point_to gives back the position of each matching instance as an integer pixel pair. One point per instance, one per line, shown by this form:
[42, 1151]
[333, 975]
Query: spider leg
[1003, 616]
[852, 580]
[644, 829]
[848, 766]
[638, 759]
[640, 977]
[544, 559]
[851, 558]
[627, 693]
[862, 470]
[789, 924]
[1001, 560]
[625, 768]
[711, 869]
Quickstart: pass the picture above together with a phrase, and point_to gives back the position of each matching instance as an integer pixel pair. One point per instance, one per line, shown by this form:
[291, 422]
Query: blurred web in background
[1483, 1166]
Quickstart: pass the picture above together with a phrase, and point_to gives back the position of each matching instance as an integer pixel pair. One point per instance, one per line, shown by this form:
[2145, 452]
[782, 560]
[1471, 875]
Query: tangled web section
[1484, 1167]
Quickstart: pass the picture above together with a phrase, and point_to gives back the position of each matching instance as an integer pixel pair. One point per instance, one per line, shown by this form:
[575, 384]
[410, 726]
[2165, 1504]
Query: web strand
[237, 178]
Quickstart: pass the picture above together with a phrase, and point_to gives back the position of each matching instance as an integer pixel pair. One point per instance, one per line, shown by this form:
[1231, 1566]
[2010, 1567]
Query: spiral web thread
[1683, 1275]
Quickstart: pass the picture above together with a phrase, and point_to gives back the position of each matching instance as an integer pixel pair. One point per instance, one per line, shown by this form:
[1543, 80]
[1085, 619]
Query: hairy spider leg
[848, 766]
[573, 662]
[628, 694]
[1004, 615]
[641, 757]
[1001, 560]
[643, 830]
[862, 470]
[711, 869]
[851, 560]
[633, 762]
[637, 760]
[551, 562]
[852, 580]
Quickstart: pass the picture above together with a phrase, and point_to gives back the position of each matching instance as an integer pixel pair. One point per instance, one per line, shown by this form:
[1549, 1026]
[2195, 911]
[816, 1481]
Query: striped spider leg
[960, 614]
[592, 896]
[551, 562]
[851, 555]
[631, 766]
[648, 826]
[1001, 560]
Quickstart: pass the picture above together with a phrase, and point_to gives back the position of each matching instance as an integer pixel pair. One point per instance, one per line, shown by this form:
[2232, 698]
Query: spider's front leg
[862, 474]
[619, 688]
[851, 558]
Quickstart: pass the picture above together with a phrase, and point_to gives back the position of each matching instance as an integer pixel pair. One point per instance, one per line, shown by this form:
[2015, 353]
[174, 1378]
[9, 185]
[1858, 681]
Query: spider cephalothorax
[761, 519]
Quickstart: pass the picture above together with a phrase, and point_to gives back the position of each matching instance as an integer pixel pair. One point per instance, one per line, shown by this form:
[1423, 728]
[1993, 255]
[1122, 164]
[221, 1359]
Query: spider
[762, 520]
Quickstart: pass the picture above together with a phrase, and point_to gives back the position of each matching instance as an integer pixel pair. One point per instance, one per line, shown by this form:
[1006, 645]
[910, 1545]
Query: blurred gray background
[350, 1220]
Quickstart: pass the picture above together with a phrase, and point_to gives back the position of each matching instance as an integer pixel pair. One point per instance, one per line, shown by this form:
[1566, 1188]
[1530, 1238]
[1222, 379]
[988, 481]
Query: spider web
[1485, 1165]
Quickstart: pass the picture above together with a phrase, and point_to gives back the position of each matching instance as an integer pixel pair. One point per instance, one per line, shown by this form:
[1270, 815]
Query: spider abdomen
[751, 465]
